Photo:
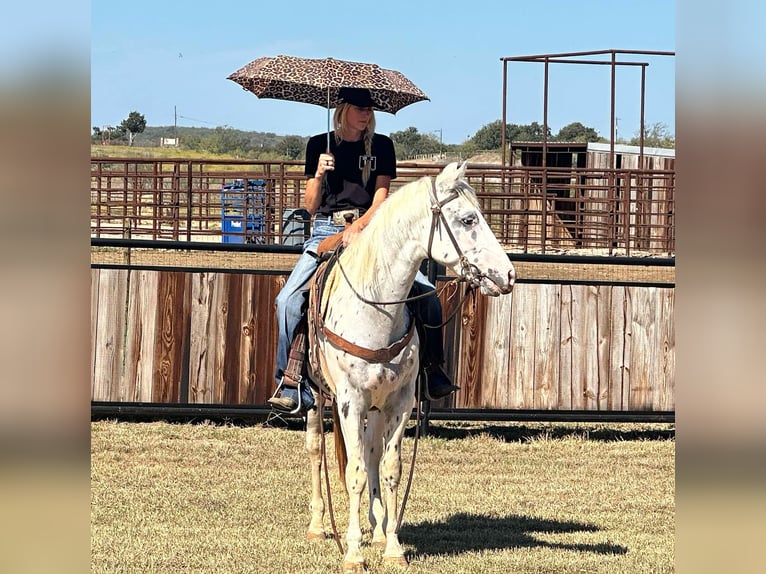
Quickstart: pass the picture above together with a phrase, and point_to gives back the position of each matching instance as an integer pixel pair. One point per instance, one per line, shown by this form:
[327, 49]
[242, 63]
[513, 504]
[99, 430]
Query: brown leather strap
[296, 360]
[382, 355]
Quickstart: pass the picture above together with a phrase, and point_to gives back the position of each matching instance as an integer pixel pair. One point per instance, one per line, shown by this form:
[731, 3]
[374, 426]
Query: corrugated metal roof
[632, 149]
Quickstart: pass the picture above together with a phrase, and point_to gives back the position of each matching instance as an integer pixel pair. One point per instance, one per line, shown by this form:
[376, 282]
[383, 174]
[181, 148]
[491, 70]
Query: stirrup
[424, 394]
[299, 406]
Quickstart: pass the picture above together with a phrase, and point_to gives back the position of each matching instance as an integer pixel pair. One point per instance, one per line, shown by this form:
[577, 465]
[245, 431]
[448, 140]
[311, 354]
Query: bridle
[468, 273]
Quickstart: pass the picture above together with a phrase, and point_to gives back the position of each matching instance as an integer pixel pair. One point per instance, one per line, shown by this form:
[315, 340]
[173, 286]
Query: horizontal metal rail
[256, 413]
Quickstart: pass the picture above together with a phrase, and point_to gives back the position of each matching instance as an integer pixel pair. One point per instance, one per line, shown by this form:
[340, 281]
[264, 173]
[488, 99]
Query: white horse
[366, 354]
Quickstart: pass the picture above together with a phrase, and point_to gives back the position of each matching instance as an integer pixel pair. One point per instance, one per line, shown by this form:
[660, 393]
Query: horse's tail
[340, 446]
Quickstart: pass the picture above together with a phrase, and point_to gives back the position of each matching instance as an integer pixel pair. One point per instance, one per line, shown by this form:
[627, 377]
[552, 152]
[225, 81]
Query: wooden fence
[571, 337]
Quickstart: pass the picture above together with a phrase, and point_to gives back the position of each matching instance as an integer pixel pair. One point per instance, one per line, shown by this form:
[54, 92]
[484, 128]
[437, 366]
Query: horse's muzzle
[495, 285]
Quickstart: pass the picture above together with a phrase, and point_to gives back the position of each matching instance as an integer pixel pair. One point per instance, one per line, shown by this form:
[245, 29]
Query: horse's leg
[396, 415]
[374, 443]
[352, 423]
[314, 449]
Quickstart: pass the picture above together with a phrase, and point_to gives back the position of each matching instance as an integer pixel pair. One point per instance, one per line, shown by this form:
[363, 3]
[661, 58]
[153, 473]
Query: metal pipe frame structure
[573, 58]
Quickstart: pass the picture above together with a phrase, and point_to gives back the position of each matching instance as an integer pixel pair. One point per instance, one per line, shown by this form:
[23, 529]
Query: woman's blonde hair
[339, 119]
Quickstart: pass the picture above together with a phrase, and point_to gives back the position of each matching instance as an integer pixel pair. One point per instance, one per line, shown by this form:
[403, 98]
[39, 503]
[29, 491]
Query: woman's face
[358, 117]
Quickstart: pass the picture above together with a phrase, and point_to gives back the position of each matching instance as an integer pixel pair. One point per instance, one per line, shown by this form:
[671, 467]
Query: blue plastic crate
[243, 215]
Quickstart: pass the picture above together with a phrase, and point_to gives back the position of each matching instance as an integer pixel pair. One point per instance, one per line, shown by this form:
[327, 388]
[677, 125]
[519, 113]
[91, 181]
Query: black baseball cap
[356, 96]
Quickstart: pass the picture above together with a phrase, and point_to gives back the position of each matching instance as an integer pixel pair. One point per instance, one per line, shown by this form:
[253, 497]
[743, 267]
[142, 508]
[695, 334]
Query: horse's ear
[452, 173]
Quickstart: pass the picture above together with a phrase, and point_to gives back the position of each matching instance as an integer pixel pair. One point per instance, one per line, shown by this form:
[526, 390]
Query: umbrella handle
[328, 119]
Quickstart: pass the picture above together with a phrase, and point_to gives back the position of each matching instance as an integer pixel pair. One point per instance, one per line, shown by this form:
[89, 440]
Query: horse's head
[460, 237]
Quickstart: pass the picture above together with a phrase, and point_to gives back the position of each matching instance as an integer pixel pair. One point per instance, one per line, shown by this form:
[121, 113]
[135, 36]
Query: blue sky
[154, 57]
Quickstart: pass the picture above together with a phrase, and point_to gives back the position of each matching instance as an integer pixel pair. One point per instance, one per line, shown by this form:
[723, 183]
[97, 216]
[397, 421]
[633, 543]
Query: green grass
[533, 498]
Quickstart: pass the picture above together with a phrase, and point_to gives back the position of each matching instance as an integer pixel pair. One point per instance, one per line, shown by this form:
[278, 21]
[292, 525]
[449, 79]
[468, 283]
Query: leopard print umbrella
[317, 81]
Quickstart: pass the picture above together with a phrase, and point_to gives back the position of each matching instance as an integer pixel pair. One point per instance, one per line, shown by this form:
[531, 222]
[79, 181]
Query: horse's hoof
[396, 561]
[317, 536]
[378, 543]
[353, 568]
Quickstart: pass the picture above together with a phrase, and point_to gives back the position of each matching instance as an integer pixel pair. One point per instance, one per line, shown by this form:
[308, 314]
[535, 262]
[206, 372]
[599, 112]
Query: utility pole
[441, 144]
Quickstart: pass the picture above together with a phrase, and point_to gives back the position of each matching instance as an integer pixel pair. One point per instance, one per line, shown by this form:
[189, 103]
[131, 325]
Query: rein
[468, 273]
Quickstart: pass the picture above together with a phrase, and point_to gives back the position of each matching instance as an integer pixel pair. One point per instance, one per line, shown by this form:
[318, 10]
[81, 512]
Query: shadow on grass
[525, 433]
[473, 532]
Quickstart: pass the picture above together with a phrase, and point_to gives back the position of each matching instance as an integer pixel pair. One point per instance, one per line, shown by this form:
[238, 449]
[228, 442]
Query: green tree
[292, 147]
[409, 143]
[490, 135]
[526, 133]
[656, 135]
[224, 140]
[134, 124]
[576, 132]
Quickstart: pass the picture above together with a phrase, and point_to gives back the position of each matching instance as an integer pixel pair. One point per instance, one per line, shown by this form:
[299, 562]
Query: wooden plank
[95, 276]
[616, 376]
[200, 372]
[451, 297]
[141, 334]
[584, 347]
[627, 358]
[110, 335]
[547, 348]
[246, 363]
[232, 350]
[471, 341]
[667, 347]
[218, 313]
[567, 355]
[264, 337]
[496, 364]
[642, 349]
[602, 345]
[169, 357]
[660, 363]
[522, 348]
[584, 362]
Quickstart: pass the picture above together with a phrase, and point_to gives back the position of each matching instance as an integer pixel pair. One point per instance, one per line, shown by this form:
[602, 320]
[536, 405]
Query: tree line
[409, 143]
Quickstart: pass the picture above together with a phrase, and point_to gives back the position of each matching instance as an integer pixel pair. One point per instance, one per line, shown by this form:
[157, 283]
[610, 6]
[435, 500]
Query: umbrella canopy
[317, 81]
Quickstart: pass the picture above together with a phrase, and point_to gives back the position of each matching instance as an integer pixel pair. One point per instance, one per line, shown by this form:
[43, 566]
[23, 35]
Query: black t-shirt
[345, 181]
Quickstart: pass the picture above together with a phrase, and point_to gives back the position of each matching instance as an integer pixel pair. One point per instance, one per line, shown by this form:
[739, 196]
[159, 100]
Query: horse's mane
[402, 209]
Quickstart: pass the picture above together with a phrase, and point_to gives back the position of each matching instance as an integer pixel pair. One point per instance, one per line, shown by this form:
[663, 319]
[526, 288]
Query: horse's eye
[469, 220]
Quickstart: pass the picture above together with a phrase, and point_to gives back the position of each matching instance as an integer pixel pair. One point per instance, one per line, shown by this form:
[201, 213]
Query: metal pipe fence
[530, 209]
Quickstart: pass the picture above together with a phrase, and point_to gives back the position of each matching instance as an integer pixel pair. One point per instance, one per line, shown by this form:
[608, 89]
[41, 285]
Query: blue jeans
[291, 298]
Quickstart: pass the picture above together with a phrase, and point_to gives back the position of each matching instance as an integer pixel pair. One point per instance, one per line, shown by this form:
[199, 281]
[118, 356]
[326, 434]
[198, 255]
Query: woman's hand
[313, 194]
[326, 163]
[351, 231]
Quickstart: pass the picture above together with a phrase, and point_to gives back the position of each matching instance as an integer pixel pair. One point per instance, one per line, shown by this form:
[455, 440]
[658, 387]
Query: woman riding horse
[346, 184]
